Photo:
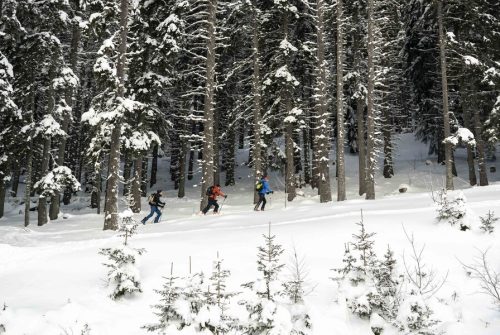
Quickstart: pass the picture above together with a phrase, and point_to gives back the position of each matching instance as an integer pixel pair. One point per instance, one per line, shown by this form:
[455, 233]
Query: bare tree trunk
[444, 84]
[208, 135]
[322, 129]
[154, 165]
[42, 200]
[127, 173]
[341, 195]
[144, 176]
[29, 183]
[135, 189]
[307, 156]
[370, 116]
[230, 157]
[360, 111]
[182, 169]
[256, 81]
[483, 177]
[15, 177]
[470, 149]
[111, 209]
[387, 131]
[3, 188]
[216, 149]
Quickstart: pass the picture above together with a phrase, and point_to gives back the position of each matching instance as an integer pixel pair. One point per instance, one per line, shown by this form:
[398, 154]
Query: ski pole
[223, 201]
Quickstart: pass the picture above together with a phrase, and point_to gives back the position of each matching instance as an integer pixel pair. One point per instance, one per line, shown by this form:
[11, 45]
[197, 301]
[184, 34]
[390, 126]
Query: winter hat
[158, 191]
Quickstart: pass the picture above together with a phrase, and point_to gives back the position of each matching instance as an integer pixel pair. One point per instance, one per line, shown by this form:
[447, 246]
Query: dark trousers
[262, 200]
[211, 202]
[154, 209]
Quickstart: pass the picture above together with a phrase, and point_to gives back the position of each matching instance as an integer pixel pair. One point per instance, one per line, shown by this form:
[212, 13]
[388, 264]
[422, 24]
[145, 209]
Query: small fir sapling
[263, 299]
[488, 221]
[295, 289]
[123, 276]
[452, 208]
[414, 316]
[165, 309]
[388, 285]
[357, 277]
[218, 301]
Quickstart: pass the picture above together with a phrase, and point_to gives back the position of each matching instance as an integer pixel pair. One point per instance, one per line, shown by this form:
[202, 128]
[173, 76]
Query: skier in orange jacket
[213, 192]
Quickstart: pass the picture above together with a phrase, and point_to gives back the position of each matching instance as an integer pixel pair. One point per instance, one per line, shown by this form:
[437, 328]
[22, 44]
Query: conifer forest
[87, 85]
[371, 126]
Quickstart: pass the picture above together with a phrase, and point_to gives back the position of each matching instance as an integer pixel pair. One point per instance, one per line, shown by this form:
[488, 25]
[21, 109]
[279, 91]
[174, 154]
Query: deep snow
[52, 280]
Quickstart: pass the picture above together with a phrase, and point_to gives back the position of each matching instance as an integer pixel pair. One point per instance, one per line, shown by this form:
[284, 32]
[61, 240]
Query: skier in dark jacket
[265, 189]
[155, 203]
[215, 191]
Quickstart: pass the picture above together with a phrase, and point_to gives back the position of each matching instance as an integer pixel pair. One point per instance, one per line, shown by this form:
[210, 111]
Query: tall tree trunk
[182, 169]
[256, 87]
[42, 200]
[322, 129]
[95, 196]
[127, 173]
[208, 123]
[470, 149]
[15, 177]
[341, 195]
[307, 156]
[216, 148]
[360, 111]
[154, 165]
[144, 176]
[111, 209]
[230, 157]
[135, 189]
[481, 159]
[387, 131]
[29, 183]
[370, 116]
[444, 85]
[3, 188]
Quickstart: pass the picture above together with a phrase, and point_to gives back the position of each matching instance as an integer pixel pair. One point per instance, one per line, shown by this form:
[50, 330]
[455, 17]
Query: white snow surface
[53, 282]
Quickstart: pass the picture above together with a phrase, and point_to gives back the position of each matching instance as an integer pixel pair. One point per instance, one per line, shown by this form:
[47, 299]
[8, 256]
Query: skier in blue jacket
[265, 189]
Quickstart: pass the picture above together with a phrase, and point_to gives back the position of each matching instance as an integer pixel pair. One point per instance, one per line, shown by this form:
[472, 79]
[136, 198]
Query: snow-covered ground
[52, 280]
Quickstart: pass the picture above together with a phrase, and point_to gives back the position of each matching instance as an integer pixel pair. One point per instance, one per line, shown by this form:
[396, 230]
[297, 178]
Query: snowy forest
[104, 102]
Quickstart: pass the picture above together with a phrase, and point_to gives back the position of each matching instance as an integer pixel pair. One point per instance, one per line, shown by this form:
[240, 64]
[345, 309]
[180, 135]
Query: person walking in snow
[213, 192]
[155, 203]
[262, 188]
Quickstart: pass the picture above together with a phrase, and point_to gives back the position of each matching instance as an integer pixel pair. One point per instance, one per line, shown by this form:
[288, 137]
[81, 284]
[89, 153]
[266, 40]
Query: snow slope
[52, 280]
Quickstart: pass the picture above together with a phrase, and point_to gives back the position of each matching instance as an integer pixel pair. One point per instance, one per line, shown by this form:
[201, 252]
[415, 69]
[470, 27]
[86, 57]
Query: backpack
[259, 185]
[151, 198]
[210, 190]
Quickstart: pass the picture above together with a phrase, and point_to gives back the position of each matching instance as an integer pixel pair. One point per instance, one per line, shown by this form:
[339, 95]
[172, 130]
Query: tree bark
[3, 188]
[15, 177]
[341, 194]
[256, 87]
[182, 169]
[444, 86]
[387, 131]
[481, 159]
[29, 183]
[42, 200]
[322, 129]
[127, 173]
[111, 209]
[135, 190]
[470, 149]
[360, 111]
[208, 131]
[144, 176]
[370, 116]
[154, 165]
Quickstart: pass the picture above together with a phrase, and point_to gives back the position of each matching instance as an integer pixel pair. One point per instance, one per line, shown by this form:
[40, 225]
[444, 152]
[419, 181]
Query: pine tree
[123, 276]
[488, 221]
